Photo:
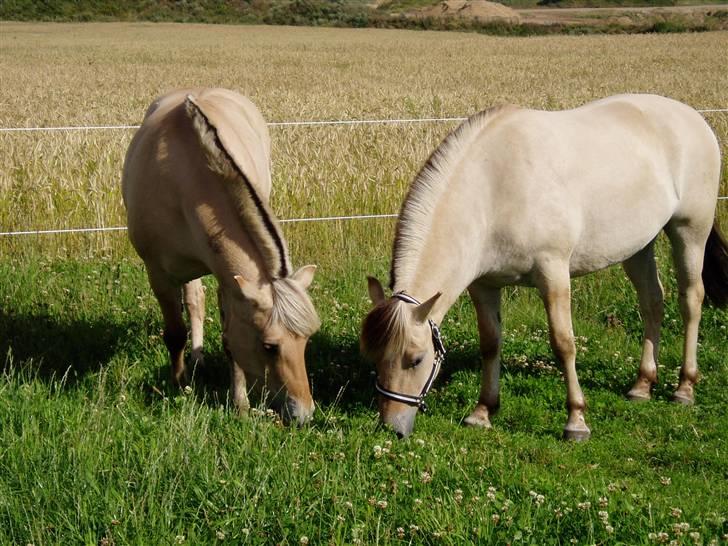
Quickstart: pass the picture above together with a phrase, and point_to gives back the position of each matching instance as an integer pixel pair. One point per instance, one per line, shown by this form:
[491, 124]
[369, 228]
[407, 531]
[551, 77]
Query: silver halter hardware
[439, 347]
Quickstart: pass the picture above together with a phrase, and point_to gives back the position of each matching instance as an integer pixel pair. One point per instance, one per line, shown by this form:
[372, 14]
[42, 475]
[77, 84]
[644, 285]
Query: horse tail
[253, 211]
[715, 267]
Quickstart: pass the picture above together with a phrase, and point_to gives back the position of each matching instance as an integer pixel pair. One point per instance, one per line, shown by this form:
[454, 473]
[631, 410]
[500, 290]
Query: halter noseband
[419, 400]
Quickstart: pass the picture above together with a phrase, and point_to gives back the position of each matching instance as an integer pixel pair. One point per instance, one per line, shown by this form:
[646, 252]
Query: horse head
[402, 341]
[266, 329]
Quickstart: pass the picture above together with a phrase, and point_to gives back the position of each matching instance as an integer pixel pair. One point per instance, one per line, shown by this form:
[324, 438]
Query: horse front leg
[168, 295]
[238, 383]
[487, 307]
[554, 284]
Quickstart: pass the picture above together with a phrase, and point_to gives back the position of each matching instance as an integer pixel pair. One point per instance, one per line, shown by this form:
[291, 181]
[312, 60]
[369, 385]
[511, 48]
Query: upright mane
[254, 213]
[417, 213]
[292, 307]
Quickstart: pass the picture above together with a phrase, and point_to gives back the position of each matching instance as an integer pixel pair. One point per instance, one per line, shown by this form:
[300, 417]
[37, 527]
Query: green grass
[96, 447]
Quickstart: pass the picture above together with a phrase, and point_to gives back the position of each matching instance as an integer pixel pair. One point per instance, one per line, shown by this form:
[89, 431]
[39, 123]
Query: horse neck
[447, 258]
[237, 255]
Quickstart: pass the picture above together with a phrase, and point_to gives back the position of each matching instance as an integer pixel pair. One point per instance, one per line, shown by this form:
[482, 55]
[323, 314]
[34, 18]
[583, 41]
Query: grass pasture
[97, 448]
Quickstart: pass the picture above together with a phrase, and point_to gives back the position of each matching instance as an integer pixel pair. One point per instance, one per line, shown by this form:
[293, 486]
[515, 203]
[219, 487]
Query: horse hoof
[679, 398]
[477, 421]
[577, 435]
[638, 396]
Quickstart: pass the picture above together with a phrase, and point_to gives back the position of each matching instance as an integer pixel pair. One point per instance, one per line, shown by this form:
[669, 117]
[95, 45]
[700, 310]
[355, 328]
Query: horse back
[595, 184]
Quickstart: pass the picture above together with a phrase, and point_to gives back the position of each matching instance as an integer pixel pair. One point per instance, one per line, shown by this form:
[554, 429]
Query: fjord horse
[525, 197]
[196, 184]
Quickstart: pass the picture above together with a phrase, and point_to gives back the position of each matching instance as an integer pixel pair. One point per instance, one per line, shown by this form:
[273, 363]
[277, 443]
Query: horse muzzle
[402, 423]
[293, 411]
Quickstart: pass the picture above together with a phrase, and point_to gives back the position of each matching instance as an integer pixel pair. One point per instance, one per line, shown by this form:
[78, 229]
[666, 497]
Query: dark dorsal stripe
[260, 207]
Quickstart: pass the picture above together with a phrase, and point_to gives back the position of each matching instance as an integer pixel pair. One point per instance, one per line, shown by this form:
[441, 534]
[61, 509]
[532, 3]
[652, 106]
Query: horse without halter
[196, 184]
[525, 197]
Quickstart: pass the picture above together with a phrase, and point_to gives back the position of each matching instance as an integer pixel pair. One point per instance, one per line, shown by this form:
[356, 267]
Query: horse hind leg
[642, 272]
[168, 295]
[194, 298]
[487, 307]
[554, 283]
[688, 246]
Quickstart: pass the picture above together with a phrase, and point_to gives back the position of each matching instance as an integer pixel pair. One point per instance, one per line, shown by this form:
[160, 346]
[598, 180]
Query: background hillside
[414, 14]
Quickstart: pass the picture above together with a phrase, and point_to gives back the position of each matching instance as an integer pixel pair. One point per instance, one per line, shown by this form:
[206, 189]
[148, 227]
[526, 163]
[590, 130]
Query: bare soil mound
[472, 9]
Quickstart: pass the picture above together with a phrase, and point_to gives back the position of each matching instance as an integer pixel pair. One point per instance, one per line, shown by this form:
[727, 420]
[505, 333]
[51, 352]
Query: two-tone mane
[254, 213]
[292, 306]
[418, 209]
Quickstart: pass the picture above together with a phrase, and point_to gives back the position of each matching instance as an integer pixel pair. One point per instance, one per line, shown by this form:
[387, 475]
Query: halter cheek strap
[439, 347]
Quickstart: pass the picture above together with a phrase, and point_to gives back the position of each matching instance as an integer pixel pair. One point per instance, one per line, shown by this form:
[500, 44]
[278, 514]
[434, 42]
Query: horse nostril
[400, 436]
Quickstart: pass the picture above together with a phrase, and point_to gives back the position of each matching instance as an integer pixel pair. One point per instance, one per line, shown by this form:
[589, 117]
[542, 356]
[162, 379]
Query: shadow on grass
[337, 374]
[51, 348]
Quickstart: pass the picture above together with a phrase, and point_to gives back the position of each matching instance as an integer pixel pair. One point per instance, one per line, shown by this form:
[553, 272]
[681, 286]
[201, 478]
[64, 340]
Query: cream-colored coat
[196, 184]
[517, 196]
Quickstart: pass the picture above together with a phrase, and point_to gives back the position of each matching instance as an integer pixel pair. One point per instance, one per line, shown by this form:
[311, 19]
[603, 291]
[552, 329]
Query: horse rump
[715, 267]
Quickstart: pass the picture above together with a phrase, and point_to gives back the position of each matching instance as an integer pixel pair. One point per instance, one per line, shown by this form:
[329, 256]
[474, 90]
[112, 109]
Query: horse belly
[617, 229]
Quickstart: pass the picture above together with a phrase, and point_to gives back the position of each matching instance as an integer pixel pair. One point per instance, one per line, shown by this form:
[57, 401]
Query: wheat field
[107, 74]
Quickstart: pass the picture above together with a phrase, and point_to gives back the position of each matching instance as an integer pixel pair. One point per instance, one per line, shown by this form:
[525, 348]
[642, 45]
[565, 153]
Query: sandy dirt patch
[472, 9]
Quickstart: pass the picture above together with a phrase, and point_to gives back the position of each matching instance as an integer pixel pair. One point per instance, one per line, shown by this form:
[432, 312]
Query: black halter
[419, 400]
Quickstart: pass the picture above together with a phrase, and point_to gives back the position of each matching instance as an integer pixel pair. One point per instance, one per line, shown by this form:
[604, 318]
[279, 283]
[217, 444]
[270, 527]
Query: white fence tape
[124, 228]
[280, 123]
[272, 124]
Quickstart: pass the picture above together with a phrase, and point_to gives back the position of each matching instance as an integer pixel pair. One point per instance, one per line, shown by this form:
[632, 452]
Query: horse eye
[270, 348]
[417, 361]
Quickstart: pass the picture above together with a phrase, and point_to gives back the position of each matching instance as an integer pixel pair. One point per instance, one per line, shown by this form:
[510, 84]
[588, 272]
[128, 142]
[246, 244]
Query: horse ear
[376, 292]
[246, 287]
[304, 276]
[423, 310]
